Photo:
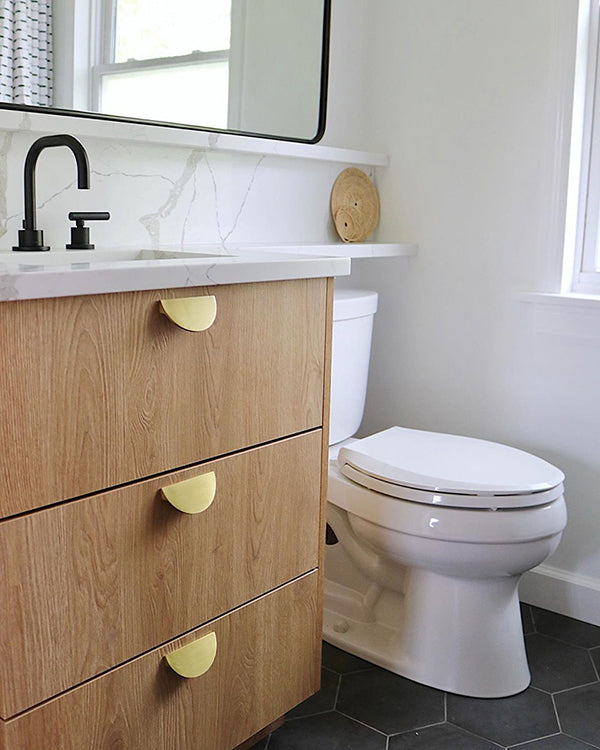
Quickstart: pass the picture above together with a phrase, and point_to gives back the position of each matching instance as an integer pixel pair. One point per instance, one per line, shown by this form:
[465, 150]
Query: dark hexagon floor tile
[320, 702]
[329, 731]
[440, 737]
[579, 713]
[556, 665]
[527, 619]
[507, 721]
[387, 702]
[342, 662]
[566, 629]
[558, 742]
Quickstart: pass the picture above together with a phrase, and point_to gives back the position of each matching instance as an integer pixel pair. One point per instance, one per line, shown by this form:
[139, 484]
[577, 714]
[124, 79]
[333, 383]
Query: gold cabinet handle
[192, 495]
[190, 313]
[194, 659]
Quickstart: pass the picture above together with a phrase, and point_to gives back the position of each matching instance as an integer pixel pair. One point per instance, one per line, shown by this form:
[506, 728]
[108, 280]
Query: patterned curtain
[26, 52]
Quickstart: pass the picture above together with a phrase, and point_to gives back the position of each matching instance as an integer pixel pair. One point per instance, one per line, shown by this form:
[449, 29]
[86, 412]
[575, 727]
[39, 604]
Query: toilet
[428, 536]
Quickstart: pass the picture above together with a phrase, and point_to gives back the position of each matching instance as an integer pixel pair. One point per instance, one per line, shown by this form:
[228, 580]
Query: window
[586, 268]
[173, 47]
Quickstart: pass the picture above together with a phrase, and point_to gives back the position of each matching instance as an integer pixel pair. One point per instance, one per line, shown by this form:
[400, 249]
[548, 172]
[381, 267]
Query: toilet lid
[450, 470]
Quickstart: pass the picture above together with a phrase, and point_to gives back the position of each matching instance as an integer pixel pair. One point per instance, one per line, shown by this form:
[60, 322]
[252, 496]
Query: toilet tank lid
[353, 303]
[449, 464]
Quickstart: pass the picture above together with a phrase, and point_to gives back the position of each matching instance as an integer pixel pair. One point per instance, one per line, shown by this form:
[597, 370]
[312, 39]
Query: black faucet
[31, 238]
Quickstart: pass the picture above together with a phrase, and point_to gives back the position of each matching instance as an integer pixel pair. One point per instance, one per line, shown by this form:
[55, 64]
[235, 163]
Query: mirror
[256, 67]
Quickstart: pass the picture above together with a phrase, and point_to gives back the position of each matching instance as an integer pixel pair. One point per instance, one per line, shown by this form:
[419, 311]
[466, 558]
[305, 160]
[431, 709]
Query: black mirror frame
[116, 118]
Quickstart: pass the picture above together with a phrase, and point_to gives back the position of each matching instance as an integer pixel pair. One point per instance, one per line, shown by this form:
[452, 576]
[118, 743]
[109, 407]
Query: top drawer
[100, 390]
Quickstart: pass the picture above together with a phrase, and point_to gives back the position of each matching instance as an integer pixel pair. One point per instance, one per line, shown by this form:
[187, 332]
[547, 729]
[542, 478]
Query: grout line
[576, 687]
[362, 723]
[531, 618]
[556, 714]
[583, 742]
[417, 729]
[352, 671]
[309, 716]
[566, 643]
[337, 692]
[363, 669]
[536, 739]
[556, 638]
[424, 726]
[473, 734]
[596, 668]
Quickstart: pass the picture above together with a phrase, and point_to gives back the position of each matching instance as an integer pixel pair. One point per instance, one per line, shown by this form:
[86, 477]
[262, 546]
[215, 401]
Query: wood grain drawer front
[89, 584]
[267, 660]
[96, 391]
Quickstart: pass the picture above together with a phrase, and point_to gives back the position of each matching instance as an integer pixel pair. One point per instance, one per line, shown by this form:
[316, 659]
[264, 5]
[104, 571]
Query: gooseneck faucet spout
[30, 237]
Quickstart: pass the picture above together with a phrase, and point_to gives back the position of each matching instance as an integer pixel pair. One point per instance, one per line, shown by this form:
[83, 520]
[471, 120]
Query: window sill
[590, 302]
[565, 314]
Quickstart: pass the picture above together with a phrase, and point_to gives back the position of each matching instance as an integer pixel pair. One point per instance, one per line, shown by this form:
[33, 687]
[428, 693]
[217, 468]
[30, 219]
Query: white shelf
[379, 250]
[336, 249]
[85, 127]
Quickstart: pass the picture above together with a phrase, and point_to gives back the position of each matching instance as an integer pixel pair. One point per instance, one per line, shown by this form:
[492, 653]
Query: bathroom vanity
[162, 507]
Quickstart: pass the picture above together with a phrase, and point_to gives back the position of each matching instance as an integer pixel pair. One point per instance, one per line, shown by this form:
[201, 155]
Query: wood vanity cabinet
[162, 516]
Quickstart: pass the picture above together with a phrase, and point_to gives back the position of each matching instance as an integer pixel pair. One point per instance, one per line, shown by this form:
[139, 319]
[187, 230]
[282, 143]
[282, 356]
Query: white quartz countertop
[66, 274]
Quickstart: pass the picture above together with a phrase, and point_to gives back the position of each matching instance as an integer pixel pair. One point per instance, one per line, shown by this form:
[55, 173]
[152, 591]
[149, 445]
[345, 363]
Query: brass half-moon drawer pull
[190, 313]
[194, 659]
[192, 495]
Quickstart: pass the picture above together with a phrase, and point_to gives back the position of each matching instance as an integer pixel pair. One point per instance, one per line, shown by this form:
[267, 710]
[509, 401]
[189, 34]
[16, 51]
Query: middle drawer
[91, 583]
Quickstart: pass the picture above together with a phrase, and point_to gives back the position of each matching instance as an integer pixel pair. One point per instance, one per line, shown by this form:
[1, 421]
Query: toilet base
[459, 635]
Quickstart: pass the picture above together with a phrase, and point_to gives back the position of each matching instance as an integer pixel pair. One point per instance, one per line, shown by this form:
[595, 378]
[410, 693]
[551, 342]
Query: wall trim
[560, 591]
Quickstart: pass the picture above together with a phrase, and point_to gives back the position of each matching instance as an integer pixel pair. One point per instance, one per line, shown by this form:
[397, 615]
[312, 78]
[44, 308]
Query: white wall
[351, 73]
[469, 98]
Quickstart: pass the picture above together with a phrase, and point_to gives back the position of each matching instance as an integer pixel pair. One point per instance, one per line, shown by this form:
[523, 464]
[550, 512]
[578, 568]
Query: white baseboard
[560, 591]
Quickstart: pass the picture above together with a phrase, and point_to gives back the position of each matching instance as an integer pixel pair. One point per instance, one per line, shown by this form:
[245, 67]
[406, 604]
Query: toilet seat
[450, 470]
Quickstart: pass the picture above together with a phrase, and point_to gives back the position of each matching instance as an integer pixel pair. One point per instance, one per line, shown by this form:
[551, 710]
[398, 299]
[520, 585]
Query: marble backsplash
[170, 196]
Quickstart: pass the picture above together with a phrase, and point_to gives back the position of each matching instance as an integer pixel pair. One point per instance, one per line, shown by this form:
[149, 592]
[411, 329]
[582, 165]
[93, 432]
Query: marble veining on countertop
[64, 274]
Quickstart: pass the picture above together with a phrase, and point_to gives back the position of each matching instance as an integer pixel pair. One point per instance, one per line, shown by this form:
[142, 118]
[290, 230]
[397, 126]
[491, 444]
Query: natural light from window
[147, 29]
[163, 53]
[581, 272]
[135, 93]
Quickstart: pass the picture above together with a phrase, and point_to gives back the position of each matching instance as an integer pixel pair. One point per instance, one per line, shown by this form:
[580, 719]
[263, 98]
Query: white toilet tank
[353, 311]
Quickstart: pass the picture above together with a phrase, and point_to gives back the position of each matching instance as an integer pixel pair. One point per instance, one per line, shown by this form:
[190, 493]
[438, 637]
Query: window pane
[167, 28]
[190, 94]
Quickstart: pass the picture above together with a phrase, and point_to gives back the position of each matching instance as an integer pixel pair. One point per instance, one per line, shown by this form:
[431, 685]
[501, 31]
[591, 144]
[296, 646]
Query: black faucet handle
[88, 216]
[80, 234]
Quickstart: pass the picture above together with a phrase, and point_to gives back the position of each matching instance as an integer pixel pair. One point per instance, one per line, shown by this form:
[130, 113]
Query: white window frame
[585, 278]
[105, 46]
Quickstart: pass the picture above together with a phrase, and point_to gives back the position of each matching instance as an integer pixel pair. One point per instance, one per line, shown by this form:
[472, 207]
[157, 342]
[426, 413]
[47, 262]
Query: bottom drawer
[267, 660]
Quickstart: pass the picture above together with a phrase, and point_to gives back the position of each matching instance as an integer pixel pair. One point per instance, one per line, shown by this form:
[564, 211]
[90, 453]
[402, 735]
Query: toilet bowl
[433, 533]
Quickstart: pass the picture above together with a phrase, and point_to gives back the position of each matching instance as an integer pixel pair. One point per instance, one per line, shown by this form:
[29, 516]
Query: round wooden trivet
[354, 205]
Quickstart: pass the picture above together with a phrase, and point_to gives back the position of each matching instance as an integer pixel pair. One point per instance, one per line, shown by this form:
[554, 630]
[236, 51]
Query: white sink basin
[82, 258]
